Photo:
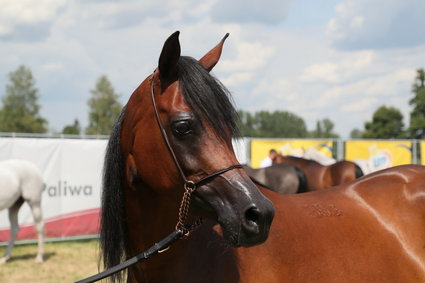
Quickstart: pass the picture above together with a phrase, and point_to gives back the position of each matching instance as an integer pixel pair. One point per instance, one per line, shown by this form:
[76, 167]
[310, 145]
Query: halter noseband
[189, 186]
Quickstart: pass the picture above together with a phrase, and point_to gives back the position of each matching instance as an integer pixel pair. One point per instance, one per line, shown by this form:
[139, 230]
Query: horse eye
[182, 128]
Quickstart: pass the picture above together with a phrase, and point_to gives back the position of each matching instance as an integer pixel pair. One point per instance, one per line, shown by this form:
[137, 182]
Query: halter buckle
[189, 186]
[163, 250]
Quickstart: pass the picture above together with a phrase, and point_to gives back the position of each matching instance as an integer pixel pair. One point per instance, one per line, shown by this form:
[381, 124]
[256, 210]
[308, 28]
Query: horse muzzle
[244, 214]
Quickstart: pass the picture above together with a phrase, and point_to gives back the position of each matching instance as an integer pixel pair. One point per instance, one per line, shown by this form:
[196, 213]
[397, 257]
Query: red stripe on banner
[78, 223]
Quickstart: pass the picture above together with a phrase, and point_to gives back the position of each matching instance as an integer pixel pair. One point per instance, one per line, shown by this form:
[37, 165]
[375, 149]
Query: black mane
[209, 101]
[207, 97]
[113, 226]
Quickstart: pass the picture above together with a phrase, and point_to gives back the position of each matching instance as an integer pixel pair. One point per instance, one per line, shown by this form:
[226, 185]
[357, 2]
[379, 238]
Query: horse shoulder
[356, 228]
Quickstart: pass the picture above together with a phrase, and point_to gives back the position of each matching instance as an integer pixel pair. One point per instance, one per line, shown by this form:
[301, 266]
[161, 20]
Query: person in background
[268, 161]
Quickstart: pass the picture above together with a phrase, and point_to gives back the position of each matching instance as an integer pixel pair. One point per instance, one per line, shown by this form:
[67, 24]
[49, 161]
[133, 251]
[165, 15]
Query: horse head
[198, 120]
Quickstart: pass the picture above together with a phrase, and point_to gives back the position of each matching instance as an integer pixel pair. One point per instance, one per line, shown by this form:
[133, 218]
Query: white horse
[21, 181]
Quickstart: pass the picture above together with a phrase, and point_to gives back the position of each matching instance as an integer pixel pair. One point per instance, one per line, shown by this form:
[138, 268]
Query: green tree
[387, 123]
[73, 129]
[104, 107]
[356, 134]
[20, 109]
[272, 124]
[324, 129]
[247, 121]
[417, 116]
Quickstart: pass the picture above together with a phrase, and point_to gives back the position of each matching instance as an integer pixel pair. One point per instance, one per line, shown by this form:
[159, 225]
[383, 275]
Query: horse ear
[211, 58]
[169, 57]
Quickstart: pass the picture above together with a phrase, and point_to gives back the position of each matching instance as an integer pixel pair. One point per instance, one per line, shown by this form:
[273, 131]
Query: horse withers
[21, 181]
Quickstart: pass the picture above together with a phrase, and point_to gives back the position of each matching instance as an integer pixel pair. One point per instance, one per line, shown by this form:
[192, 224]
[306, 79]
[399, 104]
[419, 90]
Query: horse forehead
[173, 100]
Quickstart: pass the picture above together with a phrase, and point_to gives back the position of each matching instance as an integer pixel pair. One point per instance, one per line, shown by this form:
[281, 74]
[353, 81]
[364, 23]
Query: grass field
[63, 262]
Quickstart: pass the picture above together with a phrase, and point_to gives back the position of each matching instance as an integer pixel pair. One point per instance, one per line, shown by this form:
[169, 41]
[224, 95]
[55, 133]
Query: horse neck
[204, 257]
[203, 254]
[150, 217]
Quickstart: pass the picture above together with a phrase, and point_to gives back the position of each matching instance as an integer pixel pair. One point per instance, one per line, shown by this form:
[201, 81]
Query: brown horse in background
[369, 230]
[320, 176]
[280, 178]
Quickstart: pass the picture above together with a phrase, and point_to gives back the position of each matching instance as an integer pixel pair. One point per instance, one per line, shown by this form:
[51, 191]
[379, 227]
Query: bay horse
[21, 181]
[320, 176]
[368, 230]
[281, 178]
[176, 131]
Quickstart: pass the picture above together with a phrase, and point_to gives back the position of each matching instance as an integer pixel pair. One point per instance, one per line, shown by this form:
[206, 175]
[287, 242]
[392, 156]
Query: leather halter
[182, 230]
[190, 186]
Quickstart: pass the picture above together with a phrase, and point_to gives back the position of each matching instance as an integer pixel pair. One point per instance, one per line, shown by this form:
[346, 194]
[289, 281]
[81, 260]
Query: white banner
[71, 171]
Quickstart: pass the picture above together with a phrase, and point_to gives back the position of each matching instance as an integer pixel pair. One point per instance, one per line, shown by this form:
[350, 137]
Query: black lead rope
[162, 245]
[157, 248]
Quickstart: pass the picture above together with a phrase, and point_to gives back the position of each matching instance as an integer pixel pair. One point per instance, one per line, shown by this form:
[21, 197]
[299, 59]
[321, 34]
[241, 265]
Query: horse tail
[303, 185]
[112, 221]
[359, 171]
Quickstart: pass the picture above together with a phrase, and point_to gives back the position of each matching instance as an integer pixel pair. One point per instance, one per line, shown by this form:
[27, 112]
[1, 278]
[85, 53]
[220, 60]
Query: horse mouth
[236, 236]
[203, 207]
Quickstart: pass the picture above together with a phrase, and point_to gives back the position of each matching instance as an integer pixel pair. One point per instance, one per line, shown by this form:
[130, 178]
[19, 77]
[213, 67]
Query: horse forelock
[207, 97]
[112, 225]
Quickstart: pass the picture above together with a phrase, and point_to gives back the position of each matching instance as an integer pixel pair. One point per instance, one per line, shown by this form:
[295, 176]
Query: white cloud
[340, 68]
[363, 24]
[237, 79]
[52, 66]
[360, 105]
[346, 87]
[28, 17]
[250, 57]
[324, 72]
[251, 11]
[267, 67]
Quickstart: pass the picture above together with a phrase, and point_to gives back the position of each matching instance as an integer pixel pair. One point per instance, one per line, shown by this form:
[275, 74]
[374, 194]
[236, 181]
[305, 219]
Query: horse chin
[236, 238]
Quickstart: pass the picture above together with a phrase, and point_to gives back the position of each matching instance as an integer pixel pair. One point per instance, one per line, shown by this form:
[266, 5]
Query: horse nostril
[252, 214]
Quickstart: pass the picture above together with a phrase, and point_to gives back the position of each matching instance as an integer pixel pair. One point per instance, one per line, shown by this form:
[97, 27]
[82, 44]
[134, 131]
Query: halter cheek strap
[163, 133]
[189, 185]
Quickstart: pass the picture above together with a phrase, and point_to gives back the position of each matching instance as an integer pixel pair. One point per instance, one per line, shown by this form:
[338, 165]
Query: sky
[335, 59]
